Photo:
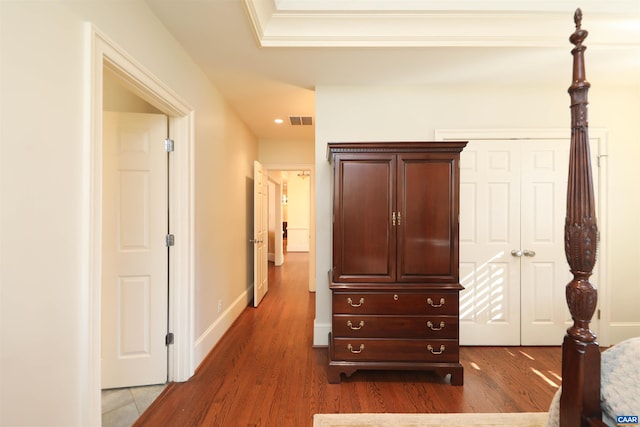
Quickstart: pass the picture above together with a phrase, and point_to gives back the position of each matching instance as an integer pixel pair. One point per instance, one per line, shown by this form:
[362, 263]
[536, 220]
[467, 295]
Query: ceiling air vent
[300, 121]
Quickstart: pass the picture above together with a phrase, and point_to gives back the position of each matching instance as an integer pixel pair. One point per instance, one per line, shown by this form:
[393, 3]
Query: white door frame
[598, 138]
[102, 52]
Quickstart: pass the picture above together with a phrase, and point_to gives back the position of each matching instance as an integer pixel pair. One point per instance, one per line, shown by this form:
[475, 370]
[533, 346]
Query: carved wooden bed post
[580, 398]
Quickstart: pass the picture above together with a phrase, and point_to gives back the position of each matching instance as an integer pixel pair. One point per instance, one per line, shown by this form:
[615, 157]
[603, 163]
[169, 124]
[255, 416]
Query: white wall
[275, 152]
[298, 191]
[44, 353]
[413, 113]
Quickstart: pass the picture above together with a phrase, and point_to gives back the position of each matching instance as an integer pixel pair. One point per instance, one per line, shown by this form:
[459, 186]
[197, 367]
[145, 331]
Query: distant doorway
[291, 214]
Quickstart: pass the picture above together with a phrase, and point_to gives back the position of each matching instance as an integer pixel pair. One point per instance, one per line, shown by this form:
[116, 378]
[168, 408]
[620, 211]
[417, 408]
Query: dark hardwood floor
[264, 372]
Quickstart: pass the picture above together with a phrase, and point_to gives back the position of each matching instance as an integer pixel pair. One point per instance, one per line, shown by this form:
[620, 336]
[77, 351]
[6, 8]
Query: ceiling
[267, 56]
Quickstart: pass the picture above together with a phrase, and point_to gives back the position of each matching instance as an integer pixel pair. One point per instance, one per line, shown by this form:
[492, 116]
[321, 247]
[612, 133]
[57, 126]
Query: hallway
[264, 372]
[249, 374]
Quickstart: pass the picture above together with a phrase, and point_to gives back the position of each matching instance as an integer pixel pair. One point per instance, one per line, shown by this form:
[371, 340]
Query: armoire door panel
[364, 242]
[426, 226]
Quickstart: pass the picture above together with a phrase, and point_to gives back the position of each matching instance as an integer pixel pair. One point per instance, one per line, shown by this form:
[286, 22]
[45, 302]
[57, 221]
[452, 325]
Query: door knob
[516, 252]
[529, 253]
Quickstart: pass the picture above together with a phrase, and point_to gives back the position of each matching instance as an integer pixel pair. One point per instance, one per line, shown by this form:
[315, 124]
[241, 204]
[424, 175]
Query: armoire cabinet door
[427, 229]
[364, 245]
[395, 218]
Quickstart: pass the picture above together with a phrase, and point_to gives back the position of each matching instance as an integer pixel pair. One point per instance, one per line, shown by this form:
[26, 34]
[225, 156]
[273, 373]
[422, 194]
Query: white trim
[477, 23]
[211, 336]
[182, 289]
[102, 52]
[598, 138]
[321, 334]
[606, 328]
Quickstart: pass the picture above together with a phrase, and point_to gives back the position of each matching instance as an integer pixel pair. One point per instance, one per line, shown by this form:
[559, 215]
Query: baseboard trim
[205, 342]
[321, 334]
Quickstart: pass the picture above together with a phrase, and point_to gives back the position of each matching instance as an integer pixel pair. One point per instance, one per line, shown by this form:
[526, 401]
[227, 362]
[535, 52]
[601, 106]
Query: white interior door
[260, 233]
[512, 261]
[135, 256]
[545, 271]
[489, 230]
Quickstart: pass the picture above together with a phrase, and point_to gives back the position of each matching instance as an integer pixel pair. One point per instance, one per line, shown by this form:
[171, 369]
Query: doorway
[292, 192]
[105, 54]
[135, 259]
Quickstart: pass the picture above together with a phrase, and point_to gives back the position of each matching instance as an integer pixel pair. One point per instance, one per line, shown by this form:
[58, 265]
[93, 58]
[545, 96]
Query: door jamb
[102, 52]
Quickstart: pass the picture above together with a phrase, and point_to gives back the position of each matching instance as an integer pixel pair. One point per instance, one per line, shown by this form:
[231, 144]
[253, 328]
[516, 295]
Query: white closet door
[489, 231]
[545, 271]
[512, 261]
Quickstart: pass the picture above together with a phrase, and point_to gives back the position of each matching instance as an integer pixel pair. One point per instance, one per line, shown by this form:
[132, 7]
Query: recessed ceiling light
[279, 121]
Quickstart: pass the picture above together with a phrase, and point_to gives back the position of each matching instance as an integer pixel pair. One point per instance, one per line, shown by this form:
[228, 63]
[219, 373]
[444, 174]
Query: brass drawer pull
[350, 302]
[430, 302]
[355, 328]
[430, 326]
[430, 348]
[350, 348]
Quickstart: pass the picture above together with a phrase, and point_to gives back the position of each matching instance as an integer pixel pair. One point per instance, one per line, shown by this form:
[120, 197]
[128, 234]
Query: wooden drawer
[392, 350]
[371, 326]
[403, 303]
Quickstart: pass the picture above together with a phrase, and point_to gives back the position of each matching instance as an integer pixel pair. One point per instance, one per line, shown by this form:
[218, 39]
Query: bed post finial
[581, 230]
[580, 397]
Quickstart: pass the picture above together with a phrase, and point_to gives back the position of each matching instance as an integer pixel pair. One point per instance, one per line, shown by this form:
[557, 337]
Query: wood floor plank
[264, 372]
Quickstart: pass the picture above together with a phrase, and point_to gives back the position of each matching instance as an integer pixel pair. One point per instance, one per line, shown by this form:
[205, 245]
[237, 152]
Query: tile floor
[121, 407]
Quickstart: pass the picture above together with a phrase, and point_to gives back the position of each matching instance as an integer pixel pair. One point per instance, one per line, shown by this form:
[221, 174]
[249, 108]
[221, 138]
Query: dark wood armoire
[394, 279]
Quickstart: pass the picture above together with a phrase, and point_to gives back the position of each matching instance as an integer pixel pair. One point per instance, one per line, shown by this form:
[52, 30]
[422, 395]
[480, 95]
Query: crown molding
[425, 23]
[593, 6]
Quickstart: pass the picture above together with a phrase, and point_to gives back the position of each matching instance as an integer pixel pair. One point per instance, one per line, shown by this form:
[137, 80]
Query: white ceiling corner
[261, 55]
[433, 23]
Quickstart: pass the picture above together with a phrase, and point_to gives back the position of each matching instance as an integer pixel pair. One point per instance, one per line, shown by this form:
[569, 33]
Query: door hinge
[170, 240]
[598, 314]
[168, 145]
[168, 339]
